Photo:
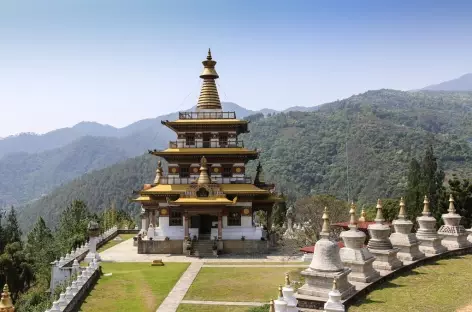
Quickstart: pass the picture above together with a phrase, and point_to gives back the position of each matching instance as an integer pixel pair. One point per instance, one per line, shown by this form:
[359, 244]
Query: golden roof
[209, 98]
[232, 189]
[206, 151]
[195, 201]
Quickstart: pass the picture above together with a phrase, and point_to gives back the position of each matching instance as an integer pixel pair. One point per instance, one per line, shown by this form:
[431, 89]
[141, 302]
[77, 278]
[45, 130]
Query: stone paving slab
[126, 252]
[225, 303]
[173, 299]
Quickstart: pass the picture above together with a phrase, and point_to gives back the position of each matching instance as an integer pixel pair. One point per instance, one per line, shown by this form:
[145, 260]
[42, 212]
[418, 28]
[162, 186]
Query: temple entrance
[206, 223]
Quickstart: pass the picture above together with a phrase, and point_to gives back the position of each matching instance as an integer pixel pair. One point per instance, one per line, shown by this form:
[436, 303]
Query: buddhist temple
[205, 194]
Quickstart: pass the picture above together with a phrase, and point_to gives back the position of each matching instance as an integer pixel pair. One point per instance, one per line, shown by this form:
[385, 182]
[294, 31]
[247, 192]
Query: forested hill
[305, 152]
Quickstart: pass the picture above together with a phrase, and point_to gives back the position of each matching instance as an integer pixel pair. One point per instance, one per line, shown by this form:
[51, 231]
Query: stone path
[126, 252]
[225, 303]
[173, 299]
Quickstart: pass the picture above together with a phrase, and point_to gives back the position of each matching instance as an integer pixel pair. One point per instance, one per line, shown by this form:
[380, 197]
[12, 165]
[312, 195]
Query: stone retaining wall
[245, 247]
[160, 247]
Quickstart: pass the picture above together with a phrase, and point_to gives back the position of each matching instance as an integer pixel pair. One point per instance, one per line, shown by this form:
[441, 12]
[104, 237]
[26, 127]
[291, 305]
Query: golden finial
[379, 218]
[451, 209]
[281, 294]
[209, 98]
[363, 215]
[158, 172]
[352, 212]
[426, 211]
[402, 213]
[203, 178]
[326, 227]
[271, 306]
[6, 305]
[287, 279]
[335, 284]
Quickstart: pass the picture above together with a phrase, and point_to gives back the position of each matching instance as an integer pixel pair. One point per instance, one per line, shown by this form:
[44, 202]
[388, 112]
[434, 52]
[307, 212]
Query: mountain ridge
[304, 152]
[462, 83]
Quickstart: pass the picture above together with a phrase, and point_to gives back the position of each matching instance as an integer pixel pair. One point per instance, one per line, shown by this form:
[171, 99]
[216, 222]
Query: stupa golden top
[205, 191]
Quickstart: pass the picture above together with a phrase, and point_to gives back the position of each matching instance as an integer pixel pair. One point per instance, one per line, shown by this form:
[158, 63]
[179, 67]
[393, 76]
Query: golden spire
[287, 279]
[352, 212]
[363, 215]
[326, 227]
[6, 305]
[281, 294]
[271, 306]
[158, 173]
[209, 98]
[402, 213]
[379, 218]
[203, 178]
[451, 209]
[426, 211]
[335, 284]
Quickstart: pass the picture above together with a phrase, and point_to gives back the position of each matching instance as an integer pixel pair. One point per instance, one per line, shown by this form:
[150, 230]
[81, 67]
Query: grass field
[133, 287]
[211, 308]
[440, 287]
[258, 263]
[239, 284]
[114, 242]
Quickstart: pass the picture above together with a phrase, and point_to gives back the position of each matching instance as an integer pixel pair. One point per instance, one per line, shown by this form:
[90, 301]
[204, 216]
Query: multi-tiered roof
[208, 122]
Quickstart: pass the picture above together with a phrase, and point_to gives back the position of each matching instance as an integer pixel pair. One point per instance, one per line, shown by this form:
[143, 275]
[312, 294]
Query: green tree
[279, 213]
[40, 248]
[12, 231]
[414, 197]
[72, 230]
[432, 179]
[16, 269]
[462, 193]
[390, 209]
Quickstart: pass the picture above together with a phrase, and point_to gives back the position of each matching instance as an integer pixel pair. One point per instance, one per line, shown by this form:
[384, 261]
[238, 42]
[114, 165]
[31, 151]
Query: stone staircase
[202, 248]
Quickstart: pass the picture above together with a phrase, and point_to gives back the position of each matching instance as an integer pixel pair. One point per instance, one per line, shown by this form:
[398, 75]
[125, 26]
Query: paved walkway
[126, 252]
[173, 299]
[225, 303]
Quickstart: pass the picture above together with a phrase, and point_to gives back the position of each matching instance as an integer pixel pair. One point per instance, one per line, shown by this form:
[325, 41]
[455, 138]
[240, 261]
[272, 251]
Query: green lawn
[239, 284]
[443, 286]
[133, 287]
[211, 308]
[258, 263]
[114, 242]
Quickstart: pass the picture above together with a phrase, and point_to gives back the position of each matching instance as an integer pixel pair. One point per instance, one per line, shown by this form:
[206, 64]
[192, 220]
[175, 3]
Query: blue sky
[115, 62]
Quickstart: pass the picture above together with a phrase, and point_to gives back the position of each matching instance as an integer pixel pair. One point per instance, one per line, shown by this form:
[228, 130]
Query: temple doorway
[206, 223]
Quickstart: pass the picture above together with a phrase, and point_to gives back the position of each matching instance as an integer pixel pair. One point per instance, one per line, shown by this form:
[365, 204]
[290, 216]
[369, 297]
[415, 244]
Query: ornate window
[223, 140]
[234, 219]
[190, 139]
[184, 172]
[175, 218]
[227, 171]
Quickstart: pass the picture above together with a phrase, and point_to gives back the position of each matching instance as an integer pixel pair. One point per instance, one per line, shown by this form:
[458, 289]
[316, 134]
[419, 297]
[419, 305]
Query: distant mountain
[35, 143]
[305, 152]
[463, 83]
[44, 162]
[301, 109]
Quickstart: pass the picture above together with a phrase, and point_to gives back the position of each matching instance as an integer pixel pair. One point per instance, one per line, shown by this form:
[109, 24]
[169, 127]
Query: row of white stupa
[384, 253]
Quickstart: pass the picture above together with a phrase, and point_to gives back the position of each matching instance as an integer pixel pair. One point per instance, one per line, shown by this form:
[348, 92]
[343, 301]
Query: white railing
[75, 289]
[63, 269]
